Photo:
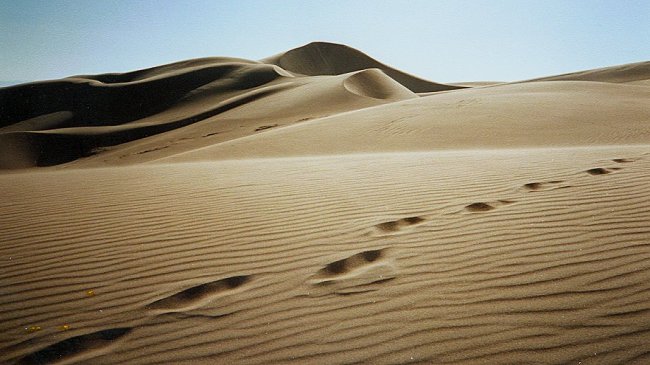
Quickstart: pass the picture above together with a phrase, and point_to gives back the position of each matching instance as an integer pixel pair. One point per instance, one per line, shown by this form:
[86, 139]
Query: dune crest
[323, 58]
[375, 84]
[633, 73]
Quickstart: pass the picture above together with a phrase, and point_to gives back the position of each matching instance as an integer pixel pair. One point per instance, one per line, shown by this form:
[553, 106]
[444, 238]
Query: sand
[319, 206]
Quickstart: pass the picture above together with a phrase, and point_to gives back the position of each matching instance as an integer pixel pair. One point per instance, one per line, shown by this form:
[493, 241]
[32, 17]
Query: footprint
[479, 207]
[355, 273]
[545, 185]
[199, 295]
[263, 127]
[351, 263]
[624, 160]
[486, 207]
[77, 348]
[397, 225]
[602, 170]
[152, 150]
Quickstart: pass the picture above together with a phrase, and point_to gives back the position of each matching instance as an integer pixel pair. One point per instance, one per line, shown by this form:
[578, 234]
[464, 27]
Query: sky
[440, 40]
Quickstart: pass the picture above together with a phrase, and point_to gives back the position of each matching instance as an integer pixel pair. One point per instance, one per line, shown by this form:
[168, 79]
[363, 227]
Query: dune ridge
[634, 73]
[323, 58]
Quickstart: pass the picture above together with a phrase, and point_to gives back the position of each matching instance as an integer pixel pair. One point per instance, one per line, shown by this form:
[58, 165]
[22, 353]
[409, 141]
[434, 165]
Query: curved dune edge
[463, 257]
[629, 73]
[324, 58]
[374, 83]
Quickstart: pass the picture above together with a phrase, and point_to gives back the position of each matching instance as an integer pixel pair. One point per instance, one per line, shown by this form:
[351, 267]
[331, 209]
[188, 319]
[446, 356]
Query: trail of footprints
[401, 225]
[538, 186]
[358, 273]
[86, 346]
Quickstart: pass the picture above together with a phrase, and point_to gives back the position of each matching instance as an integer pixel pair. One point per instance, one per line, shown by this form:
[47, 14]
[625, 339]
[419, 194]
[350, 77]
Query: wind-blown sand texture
[318, 206]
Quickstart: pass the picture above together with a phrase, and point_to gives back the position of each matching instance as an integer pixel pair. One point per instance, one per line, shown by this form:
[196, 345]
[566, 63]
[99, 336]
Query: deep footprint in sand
[398, 225]
[544, 185]
[602, 170]
[486, 206]
[355, 273]
[263, 127]
[626, 160]
[351, 263]
[77, 348]
[199, 295]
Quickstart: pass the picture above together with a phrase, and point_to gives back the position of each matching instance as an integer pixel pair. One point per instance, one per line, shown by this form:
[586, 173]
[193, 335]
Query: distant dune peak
[323, 58]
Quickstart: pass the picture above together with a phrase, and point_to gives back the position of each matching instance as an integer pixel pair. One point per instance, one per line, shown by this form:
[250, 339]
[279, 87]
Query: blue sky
[444, 40]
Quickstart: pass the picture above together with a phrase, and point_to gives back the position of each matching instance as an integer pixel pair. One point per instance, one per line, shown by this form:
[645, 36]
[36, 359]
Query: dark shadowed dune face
[95, 103]
[29, 149]
[76, 116]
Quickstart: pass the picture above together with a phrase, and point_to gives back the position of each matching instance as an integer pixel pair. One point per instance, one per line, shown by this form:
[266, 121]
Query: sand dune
[295, 100]
[634, 73]
[320, 207]
[540, 114]
[376, 84]
[90, 113]
[167, 110]
[322, 58]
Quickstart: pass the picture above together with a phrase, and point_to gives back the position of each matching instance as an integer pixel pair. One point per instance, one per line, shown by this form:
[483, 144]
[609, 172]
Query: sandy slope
[540, 114]
[633, 73]
[535, 256]
[295, 100]
[319, 206]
